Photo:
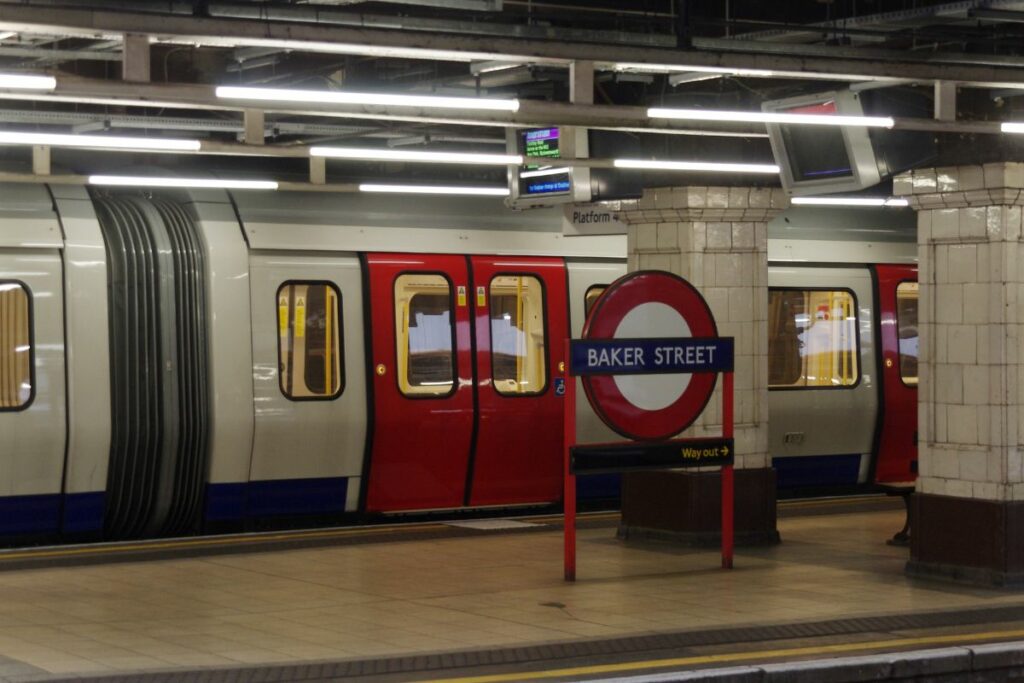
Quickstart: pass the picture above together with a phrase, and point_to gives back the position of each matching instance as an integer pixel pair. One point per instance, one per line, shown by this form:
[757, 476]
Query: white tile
[963, 424]
[743, 235]
[973, 222]
[973, 466]
[949, 383]
[667, 236]
[947, 179]
[902, 184]
[962, 344]
[646, 236]
[719, 235]
[971, 178]
[977, 302]
[961, 264]
[949, 303]
[946, 224]
[924, 180]
[718, 197]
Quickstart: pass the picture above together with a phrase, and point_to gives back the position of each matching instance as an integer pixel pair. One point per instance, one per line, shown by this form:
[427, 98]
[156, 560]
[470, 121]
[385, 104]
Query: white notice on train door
[600, 218]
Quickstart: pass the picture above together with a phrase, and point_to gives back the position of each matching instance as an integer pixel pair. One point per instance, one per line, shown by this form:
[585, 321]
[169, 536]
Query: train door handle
[381, 369]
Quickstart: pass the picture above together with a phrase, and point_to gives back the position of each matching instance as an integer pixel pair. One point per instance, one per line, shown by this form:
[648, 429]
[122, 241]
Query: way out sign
[649, 361]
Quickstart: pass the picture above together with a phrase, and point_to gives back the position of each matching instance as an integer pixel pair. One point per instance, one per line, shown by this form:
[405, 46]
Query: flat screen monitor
[823, 159]
[545, 180]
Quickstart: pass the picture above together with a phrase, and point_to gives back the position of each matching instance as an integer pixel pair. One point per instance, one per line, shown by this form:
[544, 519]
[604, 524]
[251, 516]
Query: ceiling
[499, 48]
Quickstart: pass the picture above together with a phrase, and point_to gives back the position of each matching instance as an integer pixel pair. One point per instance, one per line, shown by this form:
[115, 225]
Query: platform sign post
[648, 389]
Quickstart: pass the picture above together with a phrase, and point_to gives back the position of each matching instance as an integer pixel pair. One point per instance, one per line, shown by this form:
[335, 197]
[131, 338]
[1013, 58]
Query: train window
[812, 339]
[594, 293]
[906, 321]
[15, 346]
[518, 359]
[425, 335]
[309, 340]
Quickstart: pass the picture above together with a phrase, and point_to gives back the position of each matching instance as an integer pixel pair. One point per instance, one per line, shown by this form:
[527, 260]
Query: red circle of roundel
[622, 296]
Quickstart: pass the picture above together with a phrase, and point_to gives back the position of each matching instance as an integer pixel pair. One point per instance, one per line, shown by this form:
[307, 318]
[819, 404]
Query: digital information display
[817, 151]
[539, 180]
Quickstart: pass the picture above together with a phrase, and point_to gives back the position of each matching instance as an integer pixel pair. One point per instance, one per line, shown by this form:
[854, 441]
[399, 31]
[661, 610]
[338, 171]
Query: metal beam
[531, 113]
[826, 63]
[136, 58]
[53, 55]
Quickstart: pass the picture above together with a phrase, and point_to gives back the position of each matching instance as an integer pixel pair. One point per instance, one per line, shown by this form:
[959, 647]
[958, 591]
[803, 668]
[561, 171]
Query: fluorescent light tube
[99, 142]
[435, 189]
[678, 68]
[770, 117]
[712, 166]
[215, 183]
[339, 97]
[373, 154]
[849, 201]
[1011, 127]
[558, 170]
[27, 82]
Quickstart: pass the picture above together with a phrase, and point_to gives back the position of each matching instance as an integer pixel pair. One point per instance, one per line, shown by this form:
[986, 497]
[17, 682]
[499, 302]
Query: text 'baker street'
[632, 356]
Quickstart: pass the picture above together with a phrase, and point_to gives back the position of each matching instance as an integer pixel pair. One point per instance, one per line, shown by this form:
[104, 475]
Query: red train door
[422, 381]
[520, 317]
[897, 314]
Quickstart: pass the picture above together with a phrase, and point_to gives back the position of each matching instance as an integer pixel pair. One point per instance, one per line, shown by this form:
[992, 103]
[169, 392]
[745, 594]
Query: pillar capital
[957, 187]
[705, 203]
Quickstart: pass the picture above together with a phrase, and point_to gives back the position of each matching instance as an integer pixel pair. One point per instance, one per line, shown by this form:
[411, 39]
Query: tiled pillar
[969, 504]
[717, 239]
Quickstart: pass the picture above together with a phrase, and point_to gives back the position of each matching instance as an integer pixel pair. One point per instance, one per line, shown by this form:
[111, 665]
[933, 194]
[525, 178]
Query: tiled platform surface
[423, 596]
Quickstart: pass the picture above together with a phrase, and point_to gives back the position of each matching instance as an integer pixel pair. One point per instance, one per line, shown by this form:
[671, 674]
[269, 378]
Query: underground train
[174, 362]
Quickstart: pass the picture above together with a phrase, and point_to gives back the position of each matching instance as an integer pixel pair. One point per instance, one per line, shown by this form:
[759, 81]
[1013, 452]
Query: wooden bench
[904, 489]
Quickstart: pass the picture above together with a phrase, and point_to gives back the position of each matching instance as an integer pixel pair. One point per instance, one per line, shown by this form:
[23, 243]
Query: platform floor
[501, 589]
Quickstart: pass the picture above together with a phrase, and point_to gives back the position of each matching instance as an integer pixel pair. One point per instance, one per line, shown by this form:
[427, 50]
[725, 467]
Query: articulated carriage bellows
[158, 360]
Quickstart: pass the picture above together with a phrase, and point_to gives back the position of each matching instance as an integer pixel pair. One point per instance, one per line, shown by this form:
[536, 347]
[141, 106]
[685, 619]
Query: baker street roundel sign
[648, 305]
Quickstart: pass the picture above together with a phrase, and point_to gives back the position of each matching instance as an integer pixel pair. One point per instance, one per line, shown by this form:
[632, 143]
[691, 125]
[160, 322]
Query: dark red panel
[420, 444]
[518, 457]
[897, 449]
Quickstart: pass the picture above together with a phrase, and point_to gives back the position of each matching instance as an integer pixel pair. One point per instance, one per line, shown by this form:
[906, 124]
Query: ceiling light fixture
[132, 144]
[540, 173]
[435, 189]
[214, 183]
[339, 97]
[373, 154]
[849, 201]
[712, 166]
[27, 82]
[1011, 127]
[771, 117]
[679, 68]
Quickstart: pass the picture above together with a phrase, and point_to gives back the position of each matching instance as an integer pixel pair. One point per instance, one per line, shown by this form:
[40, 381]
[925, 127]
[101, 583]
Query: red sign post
[649, 388]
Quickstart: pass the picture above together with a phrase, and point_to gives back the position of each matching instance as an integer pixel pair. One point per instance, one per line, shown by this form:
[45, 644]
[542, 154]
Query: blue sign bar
[650, 356]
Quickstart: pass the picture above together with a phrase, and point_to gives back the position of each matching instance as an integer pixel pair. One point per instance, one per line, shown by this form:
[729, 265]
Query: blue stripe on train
[276, 497]
[84, 511]
[41, 514]
[328, 495]
[816, 470]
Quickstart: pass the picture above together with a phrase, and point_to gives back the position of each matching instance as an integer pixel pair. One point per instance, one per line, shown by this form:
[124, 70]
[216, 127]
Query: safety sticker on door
[462, 295]
[559, 386]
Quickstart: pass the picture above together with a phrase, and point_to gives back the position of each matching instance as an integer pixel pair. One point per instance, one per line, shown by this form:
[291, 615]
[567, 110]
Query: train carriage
[186, 361]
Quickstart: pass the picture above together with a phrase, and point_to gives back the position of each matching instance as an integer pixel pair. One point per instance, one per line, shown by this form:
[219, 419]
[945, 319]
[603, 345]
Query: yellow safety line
[214, 541]
[735, 657]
